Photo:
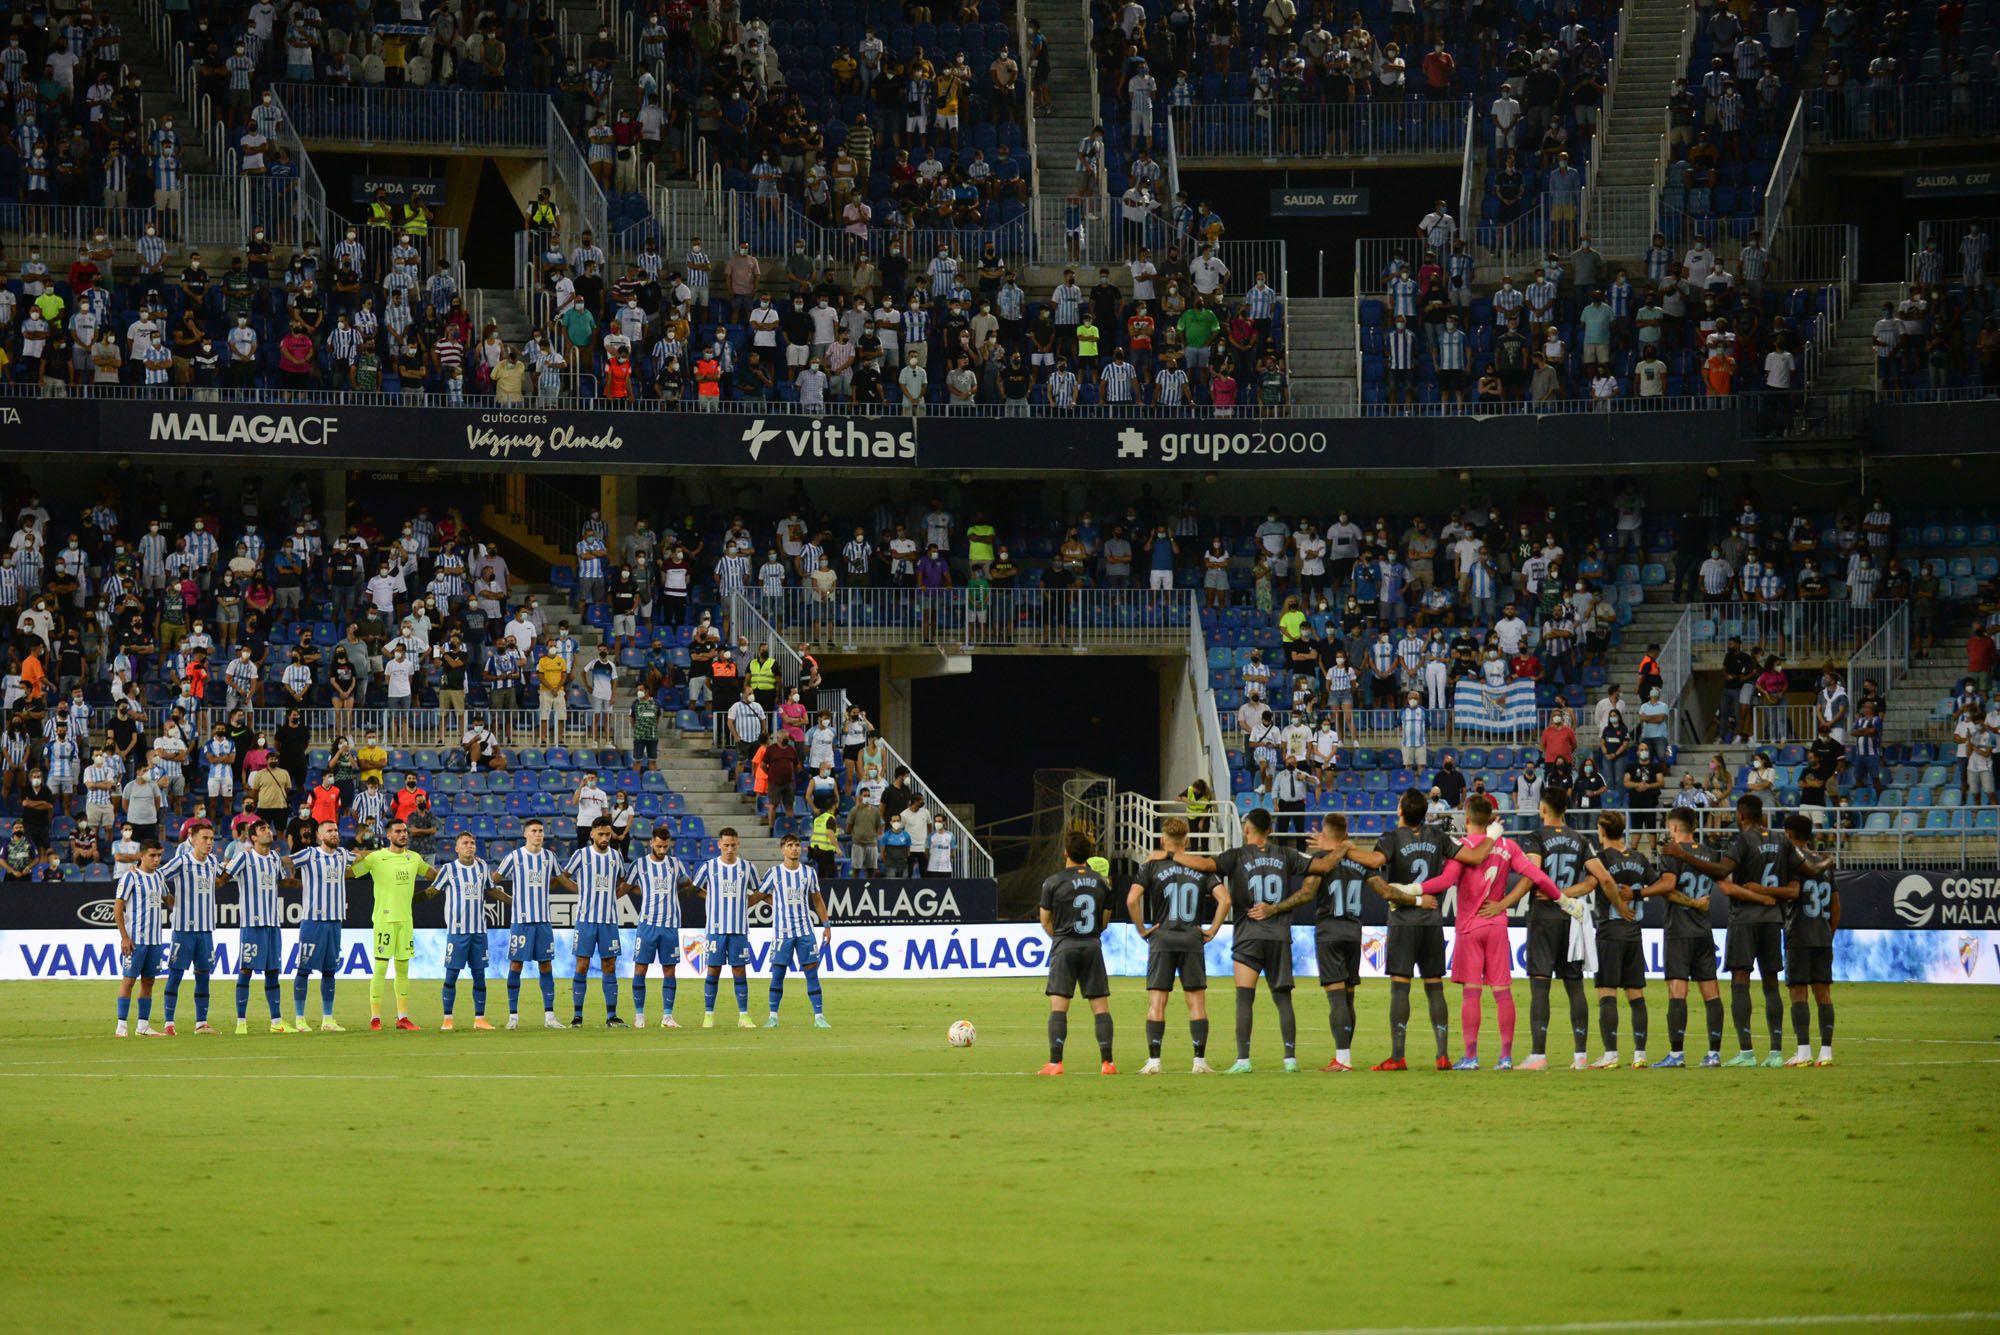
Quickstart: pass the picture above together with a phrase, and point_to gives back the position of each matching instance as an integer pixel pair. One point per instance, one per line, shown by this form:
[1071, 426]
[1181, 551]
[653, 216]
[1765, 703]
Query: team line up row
[1583, 920]
[166, 921]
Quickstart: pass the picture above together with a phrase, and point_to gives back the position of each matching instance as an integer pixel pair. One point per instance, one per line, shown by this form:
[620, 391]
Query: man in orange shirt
[33, 675]
[618, 377]
[708, 381]
[1719, 373]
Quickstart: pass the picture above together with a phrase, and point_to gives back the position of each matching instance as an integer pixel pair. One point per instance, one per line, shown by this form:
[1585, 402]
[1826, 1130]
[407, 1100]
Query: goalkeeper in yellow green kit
[394, 871]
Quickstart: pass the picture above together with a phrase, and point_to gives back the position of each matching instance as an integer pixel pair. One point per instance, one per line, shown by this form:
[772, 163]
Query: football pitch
[873, 1178]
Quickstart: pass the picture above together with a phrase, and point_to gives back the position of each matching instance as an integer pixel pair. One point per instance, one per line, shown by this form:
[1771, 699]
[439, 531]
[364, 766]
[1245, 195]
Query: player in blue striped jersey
[322, 874]
[466, 883]
[595, 870]
[524, 876]
[727, 881]
[140, 912]
[656, 881]
[257, 873]
[793, 890]
[191, 882]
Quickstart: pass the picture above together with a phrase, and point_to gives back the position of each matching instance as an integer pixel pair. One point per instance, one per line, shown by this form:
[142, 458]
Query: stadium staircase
[1073, 110]
[1850, 362]
[1633, 138]
[1321, 351]
[159, 89]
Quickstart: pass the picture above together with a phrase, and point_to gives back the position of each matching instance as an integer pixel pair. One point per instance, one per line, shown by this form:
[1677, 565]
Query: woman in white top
[1341, 680]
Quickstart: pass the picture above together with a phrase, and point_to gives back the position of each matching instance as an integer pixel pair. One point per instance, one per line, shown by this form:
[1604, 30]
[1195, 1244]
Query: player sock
[777, 987]
[1468, 1020]
[1538, 1015]
[450, 992]
[708, 988]
[639, 991]
[242, 995]
[609, 979]
[1246, 1003]
[327, 984]
[1440, 1013]
[667, 992]
[200, 998]
[1104, 1035]
[1739, 1012]
[549, 991]
[273, 994]
[1156, 1033]
[1198, 1035]
[514, 992]
[1774, 1016]
[145, 1010]
[1399, 1018]
[813, 993]
[579, 984]
[1503, 1010]
[1802, 1023]
[478, 991]
[1677, 1022]
[1579, 1012]
[1343, 1025]
[124, 1009]
[1607, 1021]
[1713, 1007]
[1639, 1025]
[299, 986]
[1825, 1029]
[1288, 1023]
[173, 994]
[1058, 1034]
[402, 989]
[742, 996]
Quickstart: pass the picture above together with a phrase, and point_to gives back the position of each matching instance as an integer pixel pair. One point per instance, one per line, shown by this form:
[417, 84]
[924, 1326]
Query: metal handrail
[859, 618]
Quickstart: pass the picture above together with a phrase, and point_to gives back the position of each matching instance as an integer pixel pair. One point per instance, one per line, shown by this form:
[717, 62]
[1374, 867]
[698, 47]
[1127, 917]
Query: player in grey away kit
[1416, 852]
[1756, 870]
[1076, 906]
[1166, 903]
[1260, 876]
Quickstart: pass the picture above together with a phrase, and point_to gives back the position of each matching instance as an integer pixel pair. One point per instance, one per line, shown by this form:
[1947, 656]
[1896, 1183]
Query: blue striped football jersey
[140, 892]
[192, 880]
[659, 880]
[791, 890]
[596, 875]
[257, 876]
[728, 885]
[526, 876]
[464, 886]
[323, 882]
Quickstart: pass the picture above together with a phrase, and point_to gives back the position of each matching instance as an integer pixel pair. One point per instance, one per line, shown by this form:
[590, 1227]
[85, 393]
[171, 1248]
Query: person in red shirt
[406, 798]
[1139, 328]
[296, 358]
[1719, 374]
[1979, 655]
[708, 381]
[1525, 667]
[1559, 738]
[618, 378]
[325, 799]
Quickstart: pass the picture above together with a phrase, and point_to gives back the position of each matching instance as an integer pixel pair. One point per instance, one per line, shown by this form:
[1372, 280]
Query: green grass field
[873, 1178]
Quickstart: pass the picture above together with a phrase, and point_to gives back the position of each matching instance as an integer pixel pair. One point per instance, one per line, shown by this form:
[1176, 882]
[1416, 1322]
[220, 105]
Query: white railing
[1885, 656]
[746, 618]
[1468, 170]
[1784, 171]
[1101, 206]
[876, 618]
[1322, 130]
[1803, 633]
[1027, 87]
[220, 210]
[1677, 667]
[431, 728]
[1222, 826]
[1378, 728]
[442, 117]
[566, 162]
[1602, 144]
[1621, 220]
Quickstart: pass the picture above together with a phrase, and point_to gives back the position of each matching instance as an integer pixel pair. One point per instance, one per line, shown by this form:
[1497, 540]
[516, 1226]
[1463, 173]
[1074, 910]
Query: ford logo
[99, 913]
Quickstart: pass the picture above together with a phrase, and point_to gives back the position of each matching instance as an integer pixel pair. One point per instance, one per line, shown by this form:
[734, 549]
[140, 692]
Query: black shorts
[1076, 965]
[1413, 950]
[1339, 961]
[1758, 943]
[1620, 963]
[1690, 959]
[1273, 959]
[1164, 963]
[1548, 949]
[1806, 965]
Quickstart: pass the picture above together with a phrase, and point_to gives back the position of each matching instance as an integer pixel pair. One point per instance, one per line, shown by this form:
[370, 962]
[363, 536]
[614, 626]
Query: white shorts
[221, 781]
[947, 122]
[1163, 580]
[915, 123]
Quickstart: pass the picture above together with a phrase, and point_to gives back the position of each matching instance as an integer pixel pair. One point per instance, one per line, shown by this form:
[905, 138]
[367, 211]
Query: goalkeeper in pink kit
[1482, 950]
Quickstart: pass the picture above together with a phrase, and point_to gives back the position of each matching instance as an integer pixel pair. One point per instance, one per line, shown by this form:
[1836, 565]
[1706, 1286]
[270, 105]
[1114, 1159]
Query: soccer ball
[961, 1034]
